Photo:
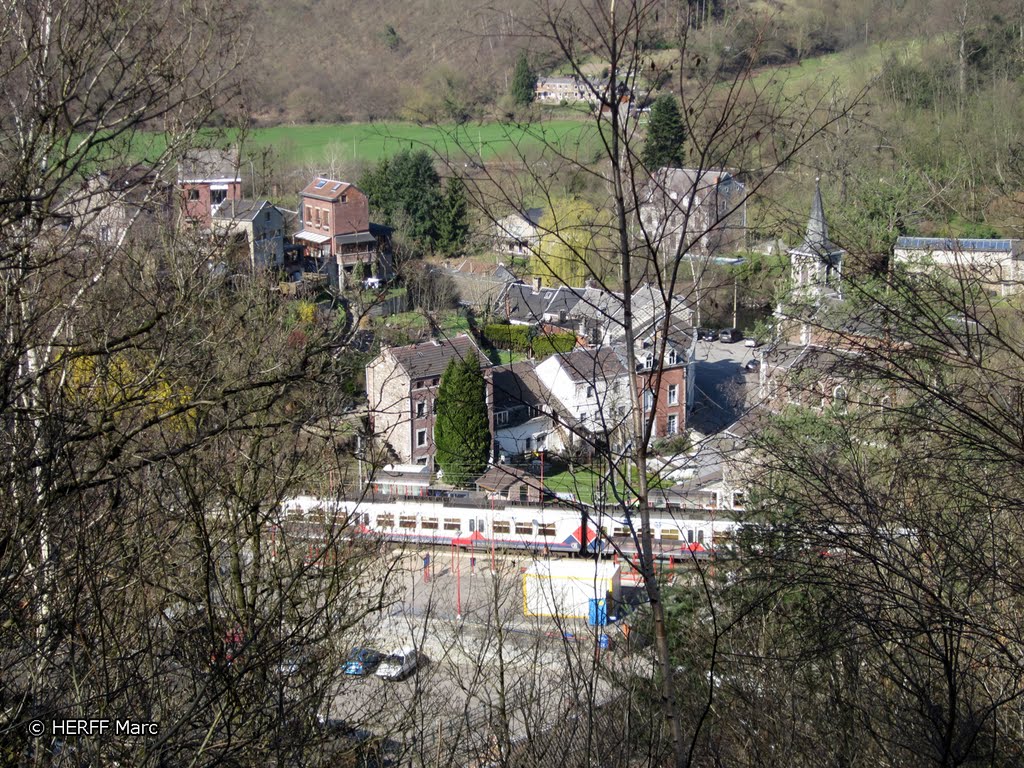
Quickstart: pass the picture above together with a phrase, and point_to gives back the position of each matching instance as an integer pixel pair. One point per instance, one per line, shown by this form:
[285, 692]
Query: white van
[398, 665]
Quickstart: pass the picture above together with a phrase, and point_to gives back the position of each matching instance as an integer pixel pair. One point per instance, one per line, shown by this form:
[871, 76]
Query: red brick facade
[670, 400]
[199, 198]
[330, 208]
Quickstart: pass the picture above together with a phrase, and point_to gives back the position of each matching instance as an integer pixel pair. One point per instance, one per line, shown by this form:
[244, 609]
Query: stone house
[401, 385]
[696, 212]
[126, 204]
[259, 225]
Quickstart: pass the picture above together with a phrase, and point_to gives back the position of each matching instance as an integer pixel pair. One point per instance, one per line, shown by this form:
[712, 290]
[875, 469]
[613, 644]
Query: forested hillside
[325, 60]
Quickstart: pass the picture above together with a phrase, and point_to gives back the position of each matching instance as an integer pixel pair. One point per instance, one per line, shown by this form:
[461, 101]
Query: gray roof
[432, 357]
[590, 365]
[355, 238]
[519, 392]
[816, 241]
[206, 164]
[240, 210]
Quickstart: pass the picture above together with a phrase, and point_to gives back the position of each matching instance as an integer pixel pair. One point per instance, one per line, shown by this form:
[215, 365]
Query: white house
[996, 263]
[518, 233]
[592, 385]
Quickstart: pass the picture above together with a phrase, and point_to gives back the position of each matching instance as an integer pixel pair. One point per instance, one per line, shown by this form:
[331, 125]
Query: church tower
[817, 263]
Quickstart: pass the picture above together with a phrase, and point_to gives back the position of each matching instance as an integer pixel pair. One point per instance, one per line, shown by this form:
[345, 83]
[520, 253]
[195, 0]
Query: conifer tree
[666, 136]
[453, 218]
[462, 434]
[523, 82]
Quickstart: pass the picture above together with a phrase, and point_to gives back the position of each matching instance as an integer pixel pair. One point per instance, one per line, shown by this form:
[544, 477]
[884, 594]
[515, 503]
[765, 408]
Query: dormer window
[673, 358]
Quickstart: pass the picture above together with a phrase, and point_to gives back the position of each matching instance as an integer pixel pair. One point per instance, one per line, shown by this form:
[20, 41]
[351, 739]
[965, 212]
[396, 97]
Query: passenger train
[481, 524]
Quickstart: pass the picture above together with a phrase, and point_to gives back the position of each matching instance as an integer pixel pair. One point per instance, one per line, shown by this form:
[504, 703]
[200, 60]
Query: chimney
[536, 284]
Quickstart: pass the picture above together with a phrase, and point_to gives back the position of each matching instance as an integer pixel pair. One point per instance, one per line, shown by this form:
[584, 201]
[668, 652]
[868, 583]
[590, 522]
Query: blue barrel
[604, 642]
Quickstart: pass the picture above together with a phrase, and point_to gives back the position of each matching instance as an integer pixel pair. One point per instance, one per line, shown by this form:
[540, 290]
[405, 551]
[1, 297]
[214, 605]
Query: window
[321, 183]
[193, 194]
[673, 424]
[218, 196]
[590, 391]
[309, 215]
[472, 525]
[700, 536]
[839, 398]
[318, 217]
[435, 381]
[105, 233]
[648, 399]
[327, 219]
[422, 461]
[344, 197]
[407, 521]
[673, 358]
[524, 529]
[689, 536]
[502, 526]
[529, 444]
[669, 534]
[524, 492]
[428, 523]
[421, 409]
[452, 524]
[546, 529]
[738, 499]
[421, 438]
[673, 394]
[501, 418]
[385, 521]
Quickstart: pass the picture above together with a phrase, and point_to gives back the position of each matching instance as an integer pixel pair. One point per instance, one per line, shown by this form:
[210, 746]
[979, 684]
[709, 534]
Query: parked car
[398, 665]
[703, 334]
[752, 365]
[362, 661]
[730, 335]
[752, 343]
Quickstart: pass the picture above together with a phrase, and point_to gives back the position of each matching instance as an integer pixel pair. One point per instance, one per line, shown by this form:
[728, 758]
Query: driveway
[722, 385]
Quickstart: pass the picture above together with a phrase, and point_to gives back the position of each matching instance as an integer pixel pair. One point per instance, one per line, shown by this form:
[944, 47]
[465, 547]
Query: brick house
[334, 225]
[401, 385]
[207, 178]
[669, 393]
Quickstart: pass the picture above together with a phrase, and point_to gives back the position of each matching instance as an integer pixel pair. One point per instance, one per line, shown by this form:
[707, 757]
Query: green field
[317, 145]
[296, 146]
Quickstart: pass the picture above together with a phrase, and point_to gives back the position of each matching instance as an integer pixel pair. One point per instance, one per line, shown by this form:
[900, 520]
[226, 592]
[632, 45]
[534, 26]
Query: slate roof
[518, 391]
[209, 164]
[816, 241]
[432, 357]
[240, 210]
[590, 365]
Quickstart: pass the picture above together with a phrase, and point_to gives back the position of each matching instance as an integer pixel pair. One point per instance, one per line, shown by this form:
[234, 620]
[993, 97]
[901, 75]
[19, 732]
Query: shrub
[556, 342]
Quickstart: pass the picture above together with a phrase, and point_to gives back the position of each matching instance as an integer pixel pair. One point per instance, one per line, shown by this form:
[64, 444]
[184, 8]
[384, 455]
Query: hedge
[523, 338]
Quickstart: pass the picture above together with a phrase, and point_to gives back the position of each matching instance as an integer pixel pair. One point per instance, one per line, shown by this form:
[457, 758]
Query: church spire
[816, 240]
